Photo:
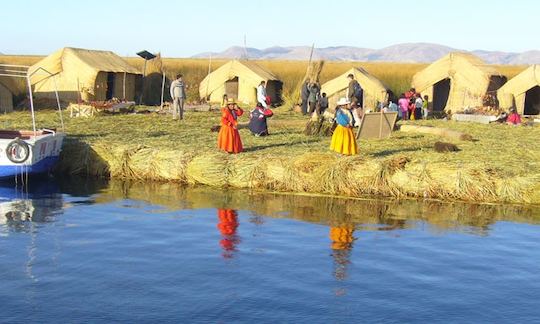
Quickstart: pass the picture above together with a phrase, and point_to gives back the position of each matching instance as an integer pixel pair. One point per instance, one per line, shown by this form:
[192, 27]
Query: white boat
[28, 151]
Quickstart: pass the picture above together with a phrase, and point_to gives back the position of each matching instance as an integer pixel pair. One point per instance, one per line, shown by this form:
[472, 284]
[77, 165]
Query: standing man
[178, 94]
[261, 94]
[355, 93]
[304, 95]
[313, 97]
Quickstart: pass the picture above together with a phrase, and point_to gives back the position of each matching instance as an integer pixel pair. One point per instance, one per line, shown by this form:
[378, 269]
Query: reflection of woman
[229, 138]
[227, 225]
[342, 240]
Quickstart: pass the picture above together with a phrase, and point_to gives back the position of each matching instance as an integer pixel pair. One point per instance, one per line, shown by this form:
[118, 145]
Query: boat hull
[44, 152]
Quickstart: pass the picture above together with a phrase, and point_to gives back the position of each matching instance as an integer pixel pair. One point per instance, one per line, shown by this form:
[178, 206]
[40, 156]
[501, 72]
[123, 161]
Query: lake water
[88, 251]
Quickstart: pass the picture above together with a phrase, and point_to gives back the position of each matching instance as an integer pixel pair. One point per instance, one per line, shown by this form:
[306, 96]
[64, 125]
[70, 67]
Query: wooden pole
[208, 80]
[124, 86]
[380, 125]
[162, 88]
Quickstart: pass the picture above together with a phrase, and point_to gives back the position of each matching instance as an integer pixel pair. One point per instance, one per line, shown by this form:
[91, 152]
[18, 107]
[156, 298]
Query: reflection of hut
[374, 90]
[85, 74]
[239, 80]
[522, 92]
[456, 81]
[7, 90]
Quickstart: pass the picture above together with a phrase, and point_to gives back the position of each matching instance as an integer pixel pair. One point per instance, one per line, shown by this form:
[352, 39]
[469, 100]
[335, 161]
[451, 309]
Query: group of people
[229, 138]
[312, 98]
[411, 105]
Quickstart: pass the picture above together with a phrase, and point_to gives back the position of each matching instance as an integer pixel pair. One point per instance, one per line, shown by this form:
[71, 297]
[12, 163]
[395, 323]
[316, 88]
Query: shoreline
[319, 173]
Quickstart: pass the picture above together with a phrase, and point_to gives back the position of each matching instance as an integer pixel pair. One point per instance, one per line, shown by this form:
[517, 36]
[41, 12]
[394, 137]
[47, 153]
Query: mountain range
[408, 52]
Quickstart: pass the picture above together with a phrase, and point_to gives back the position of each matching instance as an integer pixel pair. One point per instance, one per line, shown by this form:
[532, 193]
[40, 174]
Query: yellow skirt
[343, 141]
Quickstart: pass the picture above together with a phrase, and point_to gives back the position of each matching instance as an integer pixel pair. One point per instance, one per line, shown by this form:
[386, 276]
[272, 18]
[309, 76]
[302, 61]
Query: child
[418, 104]
[425, 107]
[323, 103]
[403, 104]
[513, 118]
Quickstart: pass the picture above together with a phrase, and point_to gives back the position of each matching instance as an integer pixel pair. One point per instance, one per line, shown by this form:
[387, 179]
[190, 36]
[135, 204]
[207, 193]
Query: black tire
[17, 151]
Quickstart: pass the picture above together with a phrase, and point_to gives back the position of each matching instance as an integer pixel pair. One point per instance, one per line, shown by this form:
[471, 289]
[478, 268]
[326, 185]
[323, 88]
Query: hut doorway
[231, 88]
[441, 92]
[110, 86]
[532, 101]
[273, 90]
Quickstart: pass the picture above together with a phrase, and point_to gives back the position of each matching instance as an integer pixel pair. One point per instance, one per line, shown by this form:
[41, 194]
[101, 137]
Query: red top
[228, 117]
[514, 119]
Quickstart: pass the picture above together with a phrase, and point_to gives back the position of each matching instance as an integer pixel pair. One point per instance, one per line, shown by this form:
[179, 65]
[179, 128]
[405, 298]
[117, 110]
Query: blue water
[105, 253]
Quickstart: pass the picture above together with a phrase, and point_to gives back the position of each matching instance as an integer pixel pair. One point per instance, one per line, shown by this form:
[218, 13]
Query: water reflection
[342, 242]
[22, 208]
[369, 214]
[227, 225]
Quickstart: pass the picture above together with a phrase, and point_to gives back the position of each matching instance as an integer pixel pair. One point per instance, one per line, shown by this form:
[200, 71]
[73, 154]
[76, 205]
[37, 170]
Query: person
[343, 140]
[425, 107]
[261, 94]
[229, 137]
[224, 100]
[178, 94]
[355, 93]
[403, 104]
[313, 96]
[323, 103]
[392, 107]
[513, 118]
[418, 104]
[304, 94]
[257, 120]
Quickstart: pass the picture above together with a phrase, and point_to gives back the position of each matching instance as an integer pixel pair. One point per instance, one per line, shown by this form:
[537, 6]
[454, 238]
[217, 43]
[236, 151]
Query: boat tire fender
[17, 151]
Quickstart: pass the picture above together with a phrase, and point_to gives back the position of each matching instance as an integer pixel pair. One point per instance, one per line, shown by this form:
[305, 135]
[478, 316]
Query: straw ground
[502, 164]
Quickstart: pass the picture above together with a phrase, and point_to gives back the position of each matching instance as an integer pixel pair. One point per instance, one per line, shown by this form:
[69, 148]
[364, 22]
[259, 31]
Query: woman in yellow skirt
[343, 140]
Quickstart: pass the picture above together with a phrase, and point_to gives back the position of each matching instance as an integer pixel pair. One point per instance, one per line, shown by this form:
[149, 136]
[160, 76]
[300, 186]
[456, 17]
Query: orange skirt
[229, 140]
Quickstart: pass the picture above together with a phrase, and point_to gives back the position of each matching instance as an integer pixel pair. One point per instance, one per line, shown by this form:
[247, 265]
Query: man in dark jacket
[355, 93]
[304, 95]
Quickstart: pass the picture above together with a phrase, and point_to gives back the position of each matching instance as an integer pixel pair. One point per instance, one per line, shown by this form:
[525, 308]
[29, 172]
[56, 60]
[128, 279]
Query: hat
[343, 101]
[230, 101]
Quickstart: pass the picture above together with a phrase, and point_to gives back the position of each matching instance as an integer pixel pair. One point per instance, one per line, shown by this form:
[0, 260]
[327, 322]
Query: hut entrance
[532, 101]
[231, 88]
[273, 90]
[110, 86]
[495, 82]
[441, 92]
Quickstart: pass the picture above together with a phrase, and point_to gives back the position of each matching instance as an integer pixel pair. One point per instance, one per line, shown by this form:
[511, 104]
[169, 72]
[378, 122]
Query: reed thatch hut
[374, 90]
[456, 81]
[522, 92]
[239, 80]
[7, 91]
[83, 74]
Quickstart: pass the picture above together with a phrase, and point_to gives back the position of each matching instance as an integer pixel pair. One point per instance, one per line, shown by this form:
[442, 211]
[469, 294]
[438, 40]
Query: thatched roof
[370, 84]
[89, 61]
[464, 69]
[513, 93]
[523, 81]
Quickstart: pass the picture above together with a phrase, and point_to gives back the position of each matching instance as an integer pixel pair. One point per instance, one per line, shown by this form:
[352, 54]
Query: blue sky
[184, 28]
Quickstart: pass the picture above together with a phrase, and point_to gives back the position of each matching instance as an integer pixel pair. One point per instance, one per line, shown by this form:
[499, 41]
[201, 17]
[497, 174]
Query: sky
[185, 28]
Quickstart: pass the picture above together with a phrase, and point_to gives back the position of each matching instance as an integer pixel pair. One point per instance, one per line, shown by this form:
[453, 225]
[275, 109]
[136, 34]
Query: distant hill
[409, 52]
